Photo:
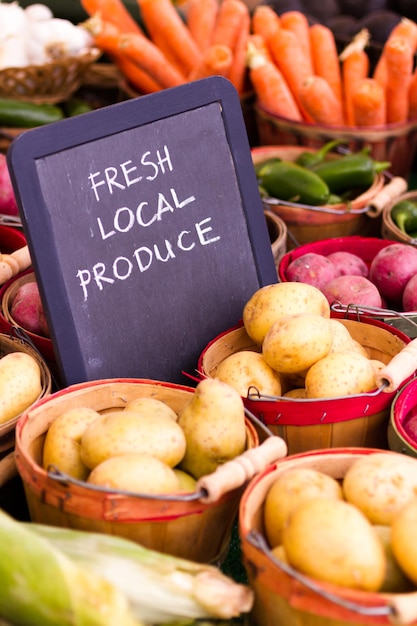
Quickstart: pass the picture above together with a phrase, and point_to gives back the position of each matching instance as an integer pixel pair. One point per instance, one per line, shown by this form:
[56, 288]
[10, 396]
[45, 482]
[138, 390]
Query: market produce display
[314, 65]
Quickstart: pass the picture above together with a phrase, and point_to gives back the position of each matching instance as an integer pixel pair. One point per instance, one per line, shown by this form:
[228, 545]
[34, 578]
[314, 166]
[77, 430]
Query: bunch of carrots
[210, 40]
[297, 73]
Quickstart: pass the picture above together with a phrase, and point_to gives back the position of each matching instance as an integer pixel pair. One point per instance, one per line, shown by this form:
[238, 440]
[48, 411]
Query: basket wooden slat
[389, 229]
[185, 528]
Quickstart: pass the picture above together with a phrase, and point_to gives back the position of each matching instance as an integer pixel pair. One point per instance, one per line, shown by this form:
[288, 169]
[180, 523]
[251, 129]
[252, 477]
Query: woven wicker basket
[389, 230]
[181, 525]
[46, 84]
[360, 420]
[282, 597]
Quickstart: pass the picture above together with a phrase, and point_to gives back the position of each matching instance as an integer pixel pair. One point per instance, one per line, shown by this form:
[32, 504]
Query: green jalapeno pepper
[351, 171]
[310, 159]
[262, 164]
[404, 214]
[289, 181]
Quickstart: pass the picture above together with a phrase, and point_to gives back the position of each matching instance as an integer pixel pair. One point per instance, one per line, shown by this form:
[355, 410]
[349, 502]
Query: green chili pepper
[404, 214]
[289, 181]
[310, 159]
[350, 171]
[262, 164]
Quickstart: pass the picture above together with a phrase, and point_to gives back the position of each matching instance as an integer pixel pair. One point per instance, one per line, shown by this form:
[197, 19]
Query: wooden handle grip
[391, 190]
[401, 366]
[12, 264]
[235, 473]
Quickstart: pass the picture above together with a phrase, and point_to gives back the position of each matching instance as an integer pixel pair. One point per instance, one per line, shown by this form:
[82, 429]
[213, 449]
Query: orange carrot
[136, 77]
[291, 61]
[168, 31]
[217, 59]
[297, 22]
[398, 55]
[258, 42]
[201, 17]
[380, 71]
[412, 97]
[113, 11]
[322, 104]
[368, 103]
[408, 29]
[405, 28]
[228, 23]
[265, 21]
[325, 57]
[355, 67]
[136, 47]
[271, 89]
[238, 71]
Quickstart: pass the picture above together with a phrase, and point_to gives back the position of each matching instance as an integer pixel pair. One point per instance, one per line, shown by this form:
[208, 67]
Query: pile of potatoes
[357, 532]
[302, 351]
[146, 446]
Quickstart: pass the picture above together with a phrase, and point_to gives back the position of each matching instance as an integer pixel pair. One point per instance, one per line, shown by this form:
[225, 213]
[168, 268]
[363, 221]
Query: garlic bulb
[13, 52]
[59, 38]
[38, 12]
[13, 20]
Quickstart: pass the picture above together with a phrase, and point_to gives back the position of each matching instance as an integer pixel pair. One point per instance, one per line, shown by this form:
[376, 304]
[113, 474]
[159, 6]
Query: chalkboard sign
[146, 230]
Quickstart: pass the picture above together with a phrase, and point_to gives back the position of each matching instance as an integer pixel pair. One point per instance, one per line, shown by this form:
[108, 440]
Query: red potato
[392, 268]
[352, 290]
[8, 204]
[348, 263]
[311, 268]
[409, 299]
[27, 309]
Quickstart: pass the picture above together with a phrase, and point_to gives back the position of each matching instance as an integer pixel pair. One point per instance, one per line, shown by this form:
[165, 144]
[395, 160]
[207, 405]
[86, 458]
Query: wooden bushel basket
[7, 430]
[389, 229]
[336, 220]
[305, 425]
[403, 408]
[283, 597]
[184, 525]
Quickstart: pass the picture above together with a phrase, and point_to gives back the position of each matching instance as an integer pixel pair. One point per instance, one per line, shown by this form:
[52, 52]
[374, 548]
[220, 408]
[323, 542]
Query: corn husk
[41, 586]
[162, 589]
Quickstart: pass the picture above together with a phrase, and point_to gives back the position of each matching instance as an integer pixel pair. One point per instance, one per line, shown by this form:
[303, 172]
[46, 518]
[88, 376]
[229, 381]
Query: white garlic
[13, 20]
[13, 52]
[38, 12]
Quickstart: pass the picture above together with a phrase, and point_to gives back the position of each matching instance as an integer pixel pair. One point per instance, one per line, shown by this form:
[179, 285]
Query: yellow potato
[297, 392]
[271, 302]
[245, 369]
[331, 540]
[186, 482]
[340, 374]
[63, 441]
[381, 484]
[403, 539]
[343, 340]
[290, 488]
[295, 342]
[395, 580]
[151, 406]
[139, 473]
[20, 384]
[127, 432]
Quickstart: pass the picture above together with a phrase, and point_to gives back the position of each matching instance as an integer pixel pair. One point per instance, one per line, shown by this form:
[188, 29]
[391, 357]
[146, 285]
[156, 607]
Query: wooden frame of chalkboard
[146, 230]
